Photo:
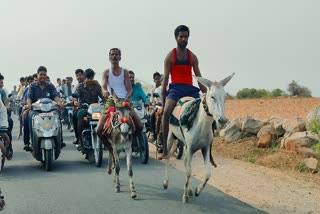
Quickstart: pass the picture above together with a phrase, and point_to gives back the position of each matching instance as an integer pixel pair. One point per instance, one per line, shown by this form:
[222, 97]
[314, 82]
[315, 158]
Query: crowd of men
[178, 65]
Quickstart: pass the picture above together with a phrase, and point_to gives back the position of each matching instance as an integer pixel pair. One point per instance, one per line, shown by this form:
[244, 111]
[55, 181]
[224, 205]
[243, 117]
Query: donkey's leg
[109, 164]
[187, 165]
[166, 179]
[116, 171]
[206, 156]
[128, 150]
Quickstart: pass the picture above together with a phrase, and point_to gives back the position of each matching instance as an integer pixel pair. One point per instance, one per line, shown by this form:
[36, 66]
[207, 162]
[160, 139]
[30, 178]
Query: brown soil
[268, 179]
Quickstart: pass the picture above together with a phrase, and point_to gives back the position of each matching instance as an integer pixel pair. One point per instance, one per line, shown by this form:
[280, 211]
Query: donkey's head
[215, 98]
[123, 120]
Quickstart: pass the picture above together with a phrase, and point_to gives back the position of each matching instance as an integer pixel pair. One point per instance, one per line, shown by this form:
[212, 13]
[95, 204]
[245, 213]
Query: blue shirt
[35, 92]
[138, 93]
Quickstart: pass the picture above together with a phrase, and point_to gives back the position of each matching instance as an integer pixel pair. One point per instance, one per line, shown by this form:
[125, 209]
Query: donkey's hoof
[196, 193]
[109, 171]
[185, 199]
[165, 184]
[190, 192]
[117, 189]
[133, 195]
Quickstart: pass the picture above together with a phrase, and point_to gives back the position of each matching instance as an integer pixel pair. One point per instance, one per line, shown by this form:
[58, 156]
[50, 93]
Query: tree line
[293, 89]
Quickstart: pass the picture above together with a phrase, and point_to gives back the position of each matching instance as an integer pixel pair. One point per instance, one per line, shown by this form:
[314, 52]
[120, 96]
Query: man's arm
[197, 72]
[104, 88]
[127, 84]
[167, 69]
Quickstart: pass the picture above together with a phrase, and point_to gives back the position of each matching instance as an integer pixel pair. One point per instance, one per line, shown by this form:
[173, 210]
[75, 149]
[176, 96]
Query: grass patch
[316, 149]
[301, 167]
[275, 146]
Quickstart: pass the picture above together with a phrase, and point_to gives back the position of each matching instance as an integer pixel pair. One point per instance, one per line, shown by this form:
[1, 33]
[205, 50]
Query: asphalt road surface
[75, 186]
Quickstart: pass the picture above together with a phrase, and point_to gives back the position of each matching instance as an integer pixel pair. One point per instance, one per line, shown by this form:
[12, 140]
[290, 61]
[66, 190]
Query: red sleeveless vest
[181, 73]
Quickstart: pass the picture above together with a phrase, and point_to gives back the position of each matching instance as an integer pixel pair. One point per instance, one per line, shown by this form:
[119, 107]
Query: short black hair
[79, 71]
[112, 49]
[1, 77]
[156, 74]
[181, 28]
[131, 72]
[22, 79]
[35, 75]
[30, 78]
[89, 73]
[42, 68]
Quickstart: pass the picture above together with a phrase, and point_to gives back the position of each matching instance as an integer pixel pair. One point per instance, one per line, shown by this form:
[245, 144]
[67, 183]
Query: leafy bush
[314, 127]
[277, 93]
[252, 93]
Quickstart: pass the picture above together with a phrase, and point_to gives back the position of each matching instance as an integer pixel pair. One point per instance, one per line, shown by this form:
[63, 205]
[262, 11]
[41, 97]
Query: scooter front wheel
[48, 159]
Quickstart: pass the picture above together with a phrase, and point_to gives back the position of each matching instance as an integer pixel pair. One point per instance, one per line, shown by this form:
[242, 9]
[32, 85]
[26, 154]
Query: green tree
[295, 89]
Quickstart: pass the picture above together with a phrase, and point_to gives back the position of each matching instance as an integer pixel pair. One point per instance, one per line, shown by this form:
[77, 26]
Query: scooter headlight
[45, 106]
[96, 115]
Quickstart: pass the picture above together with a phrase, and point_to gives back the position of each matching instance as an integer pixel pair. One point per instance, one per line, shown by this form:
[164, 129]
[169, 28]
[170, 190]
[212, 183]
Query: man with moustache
[118, 79]
[179, 64]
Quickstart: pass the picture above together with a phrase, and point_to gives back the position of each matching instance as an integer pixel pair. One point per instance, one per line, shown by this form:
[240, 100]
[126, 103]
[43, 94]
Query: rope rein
[205, 106]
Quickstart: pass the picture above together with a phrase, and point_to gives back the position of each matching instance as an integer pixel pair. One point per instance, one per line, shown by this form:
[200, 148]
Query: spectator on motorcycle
[80, 78]
[8, 110]
[137, 90]
[116, 78]
[38, 90]
[88, 92]
[156, 99]
[21, 88]
[67, 88]
[156, 96]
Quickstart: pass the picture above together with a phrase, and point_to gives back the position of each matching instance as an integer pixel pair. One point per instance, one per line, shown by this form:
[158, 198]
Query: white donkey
[198, 134]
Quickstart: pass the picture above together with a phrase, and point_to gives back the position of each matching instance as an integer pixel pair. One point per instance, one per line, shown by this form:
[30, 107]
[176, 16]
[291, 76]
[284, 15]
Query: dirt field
[272, 182]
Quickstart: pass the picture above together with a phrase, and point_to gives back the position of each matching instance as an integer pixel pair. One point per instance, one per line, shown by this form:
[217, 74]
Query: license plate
[46, 114]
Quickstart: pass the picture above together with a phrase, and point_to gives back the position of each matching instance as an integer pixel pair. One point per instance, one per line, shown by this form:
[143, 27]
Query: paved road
[75, 186]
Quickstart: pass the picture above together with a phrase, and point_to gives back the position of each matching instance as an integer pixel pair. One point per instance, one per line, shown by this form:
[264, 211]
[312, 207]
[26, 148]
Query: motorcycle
[4, 146]
[46, 136]
[92, 146]
[179, 145]
[69, 112]
[140, 143]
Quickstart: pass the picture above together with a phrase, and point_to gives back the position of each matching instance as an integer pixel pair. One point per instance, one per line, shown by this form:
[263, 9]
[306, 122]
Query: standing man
[116, 78]
[179, 64]
[38, 90]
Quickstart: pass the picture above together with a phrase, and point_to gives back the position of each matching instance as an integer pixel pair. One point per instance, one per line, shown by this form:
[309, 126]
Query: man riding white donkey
[191, 117]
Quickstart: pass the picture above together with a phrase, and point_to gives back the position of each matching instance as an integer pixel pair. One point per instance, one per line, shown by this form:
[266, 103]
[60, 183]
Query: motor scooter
[140, 143]
[4, 146]
[46, 135]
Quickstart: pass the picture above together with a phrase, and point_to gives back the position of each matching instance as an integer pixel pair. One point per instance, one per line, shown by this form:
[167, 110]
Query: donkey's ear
[226, 80]
[114, 96]
[204, 81]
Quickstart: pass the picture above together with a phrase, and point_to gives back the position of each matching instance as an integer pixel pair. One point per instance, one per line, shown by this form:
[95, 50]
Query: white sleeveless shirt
[3, 114]
[117, 83]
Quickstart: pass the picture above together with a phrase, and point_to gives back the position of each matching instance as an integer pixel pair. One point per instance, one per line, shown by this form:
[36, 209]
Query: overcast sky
[267, 43]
